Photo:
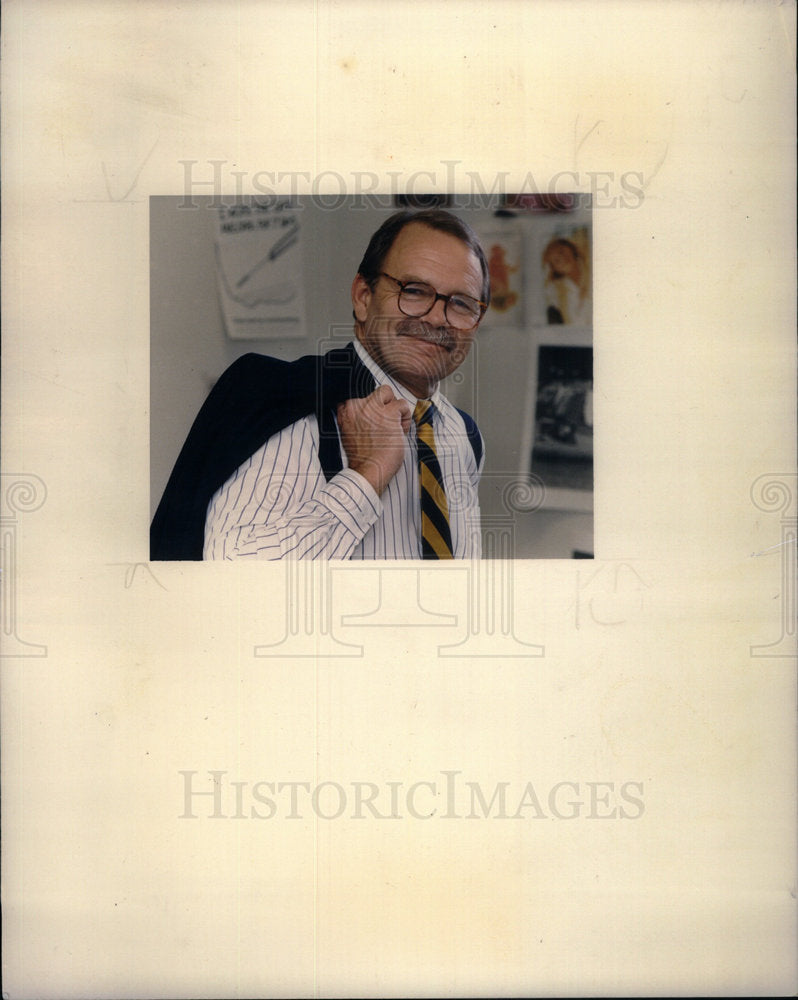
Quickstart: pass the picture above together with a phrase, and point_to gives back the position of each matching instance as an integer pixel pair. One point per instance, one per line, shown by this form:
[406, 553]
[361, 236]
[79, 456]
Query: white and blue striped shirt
[278, 504]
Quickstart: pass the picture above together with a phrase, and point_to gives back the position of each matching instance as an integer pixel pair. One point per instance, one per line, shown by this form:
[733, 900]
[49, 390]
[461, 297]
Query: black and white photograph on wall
[563, 449]
[559, 424]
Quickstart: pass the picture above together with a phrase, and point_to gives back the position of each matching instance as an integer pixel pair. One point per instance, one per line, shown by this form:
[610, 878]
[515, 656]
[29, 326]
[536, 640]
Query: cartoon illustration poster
[505, 259]
[565, 282]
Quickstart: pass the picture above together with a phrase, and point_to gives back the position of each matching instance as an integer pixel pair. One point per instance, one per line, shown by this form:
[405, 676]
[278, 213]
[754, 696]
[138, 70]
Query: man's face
[417, 352]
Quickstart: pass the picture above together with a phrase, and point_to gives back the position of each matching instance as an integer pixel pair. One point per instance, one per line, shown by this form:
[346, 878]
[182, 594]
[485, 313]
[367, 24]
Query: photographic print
[191, 345]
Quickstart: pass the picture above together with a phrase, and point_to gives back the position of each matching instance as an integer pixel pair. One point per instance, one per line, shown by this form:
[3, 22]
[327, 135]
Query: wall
[190, 348]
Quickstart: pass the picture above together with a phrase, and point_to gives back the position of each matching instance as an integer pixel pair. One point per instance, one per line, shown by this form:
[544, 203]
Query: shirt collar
[382, 378]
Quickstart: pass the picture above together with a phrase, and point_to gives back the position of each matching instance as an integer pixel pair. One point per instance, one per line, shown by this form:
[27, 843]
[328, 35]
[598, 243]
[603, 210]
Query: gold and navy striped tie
[436, 535]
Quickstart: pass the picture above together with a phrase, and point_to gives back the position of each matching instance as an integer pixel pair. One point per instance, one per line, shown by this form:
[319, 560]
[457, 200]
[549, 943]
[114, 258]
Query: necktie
[436, 535]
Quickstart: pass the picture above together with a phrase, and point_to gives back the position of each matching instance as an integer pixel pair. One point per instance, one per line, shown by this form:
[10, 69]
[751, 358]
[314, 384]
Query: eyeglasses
[416, 298]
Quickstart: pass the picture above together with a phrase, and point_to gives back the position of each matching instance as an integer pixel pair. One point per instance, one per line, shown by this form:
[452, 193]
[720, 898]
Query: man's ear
[361, 297]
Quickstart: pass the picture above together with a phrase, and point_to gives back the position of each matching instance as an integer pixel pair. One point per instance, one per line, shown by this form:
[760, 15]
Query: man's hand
[373, 433]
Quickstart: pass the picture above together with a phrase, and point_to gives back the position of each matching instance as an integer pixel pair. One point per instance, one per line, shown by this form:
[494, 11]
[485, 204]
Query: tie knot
[423, 412]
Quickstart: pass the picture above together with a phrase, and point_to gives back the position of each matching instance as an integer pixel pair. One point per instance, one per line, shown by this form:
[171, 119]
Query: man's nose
[437, 315]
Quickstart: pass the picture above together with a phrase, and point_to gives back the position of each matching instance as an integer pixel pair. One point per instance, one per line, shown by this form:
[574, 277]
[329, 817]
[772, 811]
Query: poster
[505, 255]
[564, 287]
[549, 776]
[259, 268]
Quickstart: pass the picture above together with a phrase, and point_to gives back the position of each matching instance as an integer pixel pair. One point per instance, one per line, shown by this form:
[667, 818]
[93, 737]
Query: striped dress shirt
[278, 504]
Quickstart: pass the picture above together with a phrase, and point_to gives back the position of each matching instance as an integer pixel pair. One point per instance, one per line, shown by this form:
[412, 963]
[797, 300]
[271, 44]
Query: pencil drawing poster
[259, 269]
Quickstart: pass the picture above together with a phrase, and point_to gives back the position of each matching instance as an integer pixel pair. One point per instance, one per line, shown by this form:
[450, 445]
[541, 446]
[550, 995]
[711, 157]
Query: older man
[356, 454]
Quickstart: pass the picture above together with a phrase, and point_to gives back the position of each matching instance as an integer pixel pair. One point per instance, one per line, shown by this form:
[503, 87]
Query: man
[357, 454]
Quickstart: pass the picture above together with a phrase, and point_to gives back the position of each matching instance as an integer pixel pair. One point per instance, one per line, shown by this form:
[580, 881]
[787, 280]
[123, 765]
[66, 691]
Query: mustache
[440, 335]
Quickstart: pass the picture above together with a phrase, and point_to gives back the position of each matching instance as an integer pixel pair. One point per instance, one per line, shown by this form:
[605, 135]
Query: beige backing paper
[546, 778]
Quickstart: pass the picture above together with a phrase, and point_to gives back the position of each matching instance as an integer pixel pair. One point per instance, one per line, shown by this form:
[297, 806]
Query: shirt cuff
[351, 498]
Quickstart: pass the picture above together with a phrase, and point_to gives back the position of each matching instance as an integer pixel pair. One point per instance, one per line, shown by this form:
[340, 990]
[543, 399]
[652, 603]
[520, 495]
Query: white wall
[190, 349]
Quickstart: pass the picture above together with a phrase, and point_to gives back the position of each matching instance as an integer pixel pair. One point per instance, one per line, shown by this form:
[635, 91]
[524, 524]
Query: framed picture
[558, 430]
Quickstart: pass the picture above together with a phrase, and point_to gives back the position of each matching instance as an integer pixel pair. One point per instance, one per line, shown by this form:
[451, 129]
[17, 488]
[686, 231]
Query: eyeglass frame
[483, 306]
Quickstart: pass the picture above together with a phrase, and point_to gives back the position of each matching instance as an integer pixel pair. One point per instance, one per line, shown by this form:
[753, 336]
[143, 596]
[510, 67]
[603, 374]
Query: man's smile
[434, 336]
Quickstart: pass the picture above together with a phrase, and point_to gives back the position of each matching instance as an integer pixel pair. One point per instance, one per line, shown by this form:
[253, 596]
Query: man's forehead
[424, 246]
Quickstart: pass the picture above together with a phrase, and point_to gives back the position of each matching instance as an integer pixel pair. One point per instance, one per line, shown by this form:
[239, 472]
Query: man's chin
[422, 380]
